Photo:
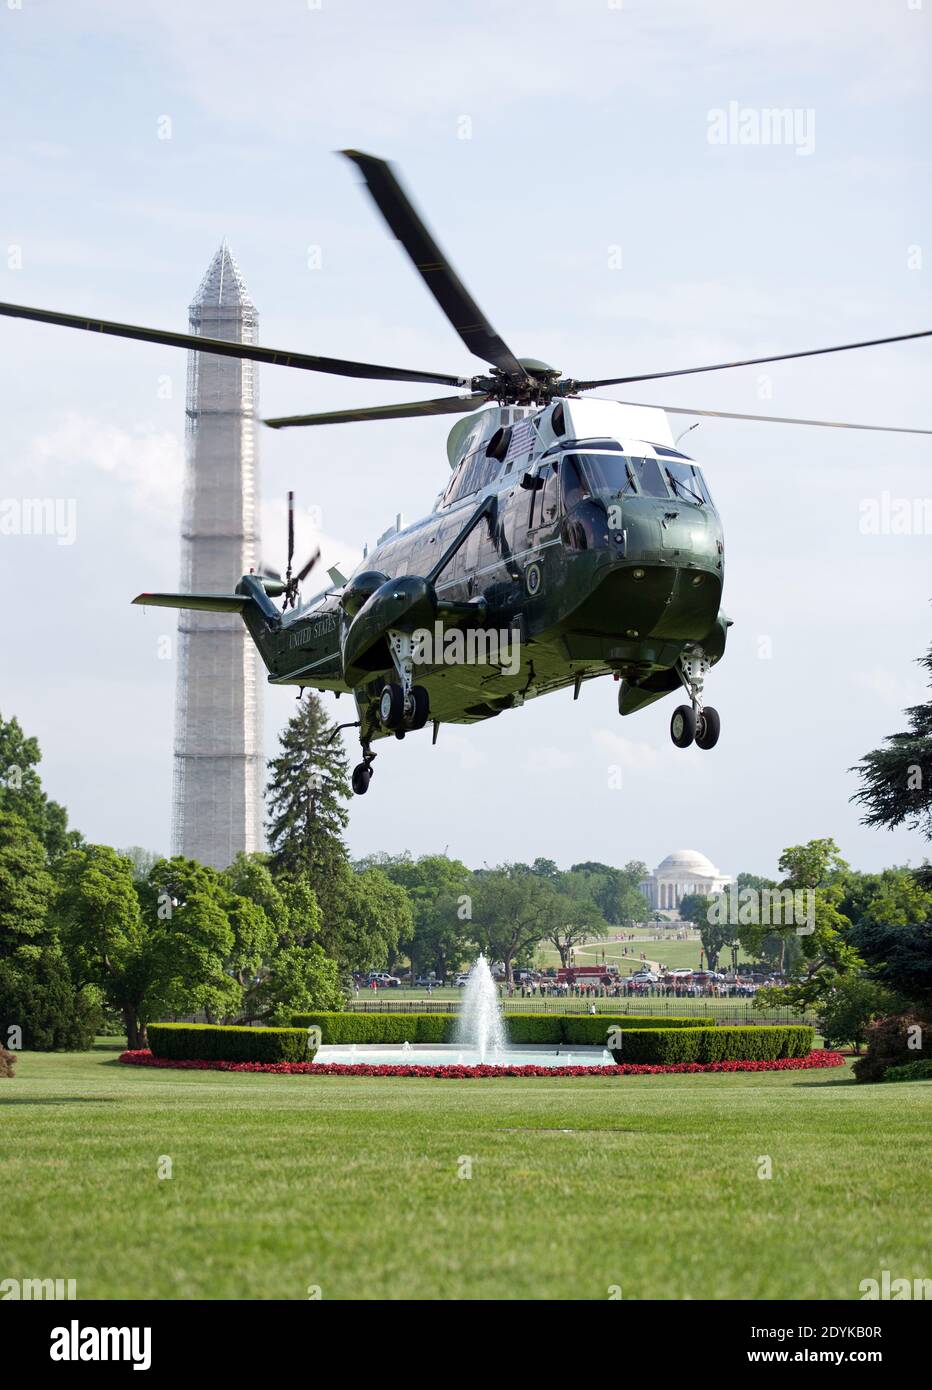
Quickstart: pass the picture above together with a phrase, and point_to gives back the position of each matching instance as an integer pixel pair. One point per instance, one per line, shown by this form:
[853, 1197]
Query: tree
[512, 911]
[26, 890]
[898, 955]
[896, 779]
[575, 917]
[850, 1006]
[816, 870]
[893, 895]
[615, 891]
[815, 864]
[716, 936]
[157, 948]
[435, 887]
[21, 791]
[39, 998]
[363, 917]
[306, 791]
[102, 932]
[142, 860]
[302, 980]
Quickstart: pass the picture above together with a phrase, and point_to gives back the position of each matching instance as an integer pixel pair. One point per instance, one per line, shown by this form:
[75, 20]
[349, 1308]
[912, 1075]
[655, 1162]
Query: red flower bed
[817, 1058]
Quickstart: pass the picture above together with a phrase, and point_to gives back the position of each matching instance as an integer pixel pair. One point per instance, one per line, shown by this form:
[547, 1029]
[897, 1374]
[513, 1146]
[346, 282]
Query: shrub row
[207, 1042]
[666, 1046]
[580, 1029]
[910, 1071]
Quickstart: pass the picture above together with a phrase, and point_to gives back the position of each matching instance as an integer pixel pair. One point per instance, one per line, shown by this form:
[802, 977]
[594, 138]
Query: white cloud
[146, 463]
[544, 759]
[634, 754]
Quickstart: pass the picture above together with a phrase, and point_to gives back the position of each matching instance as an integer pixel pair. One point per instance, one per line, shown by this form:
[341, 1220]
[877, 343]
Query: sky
[598, 173]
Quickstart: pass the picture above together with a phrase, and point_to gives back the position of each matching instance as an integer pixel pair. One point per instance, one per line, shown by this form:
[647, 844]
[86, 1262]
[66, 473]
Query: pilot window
[549, 498]
[684, 481]
[575, 488]
[616, 475]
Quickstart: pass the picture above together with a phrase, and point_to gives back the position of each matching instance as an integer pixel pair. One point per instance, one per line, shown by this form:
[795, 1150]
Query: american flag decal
[522, 438]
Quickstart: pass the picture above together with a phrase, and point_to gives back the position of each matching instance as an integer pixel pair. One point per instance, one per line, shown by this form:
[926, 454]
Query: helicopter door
[471, 560]
[543, 562]
[544, 514]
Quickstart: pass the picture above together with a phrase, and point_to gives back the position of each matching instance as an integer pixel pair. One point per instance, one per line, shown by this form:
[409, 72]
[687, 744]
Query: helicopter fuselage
[599, 553]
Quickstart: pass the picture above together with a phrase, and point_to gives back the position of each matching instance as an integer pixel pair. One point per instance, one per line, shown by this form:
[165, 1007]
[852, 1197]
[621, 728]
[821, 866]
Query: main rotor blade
[752, 361]
[782, 419]
[434, 268]
[334, 366]
[444, 405]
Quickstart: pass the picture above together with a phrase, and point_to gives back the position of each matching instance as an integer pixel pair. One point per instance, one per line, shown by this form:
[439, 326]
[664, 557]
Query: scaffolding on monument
[218, 758]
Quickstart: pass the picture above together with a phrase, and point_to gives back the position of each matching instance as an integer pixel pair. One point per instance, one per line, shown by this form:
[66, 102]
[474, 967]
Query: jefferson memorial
[682, 872]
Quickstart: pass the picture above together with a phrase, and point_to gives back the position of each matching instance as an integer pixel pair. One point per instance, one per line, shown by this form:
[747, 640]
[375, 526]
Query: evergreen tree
[306, 793]
[896, 780]
[21, 791]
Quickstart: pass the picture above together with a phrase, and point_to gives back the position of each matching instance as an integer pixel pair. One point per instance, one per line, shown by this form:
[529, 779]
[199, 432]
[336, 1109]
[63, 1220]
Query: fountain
[480, 1037]
[481, 1027]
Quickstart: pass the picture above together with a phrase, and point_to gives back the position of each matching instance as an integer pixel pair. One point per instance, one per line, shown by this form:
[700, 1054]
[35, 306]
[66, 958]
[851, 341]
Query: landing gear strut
[362, 772]
[402, 704]
[695, 722]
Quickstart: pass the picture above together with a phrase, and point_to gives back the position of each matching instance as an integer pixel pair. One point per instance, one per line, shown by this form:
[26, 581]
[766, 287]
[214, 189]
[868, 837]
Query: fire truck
[588, 975]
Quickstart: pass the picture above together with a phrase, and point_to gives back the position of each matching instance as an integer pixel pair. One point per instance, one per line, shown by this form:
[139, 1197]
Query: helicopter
[572, 539]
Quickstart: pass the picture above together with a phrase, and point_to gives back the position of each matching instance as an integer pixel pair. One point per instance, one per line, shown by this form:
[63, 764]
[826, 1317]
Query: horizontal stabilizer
[204, 603]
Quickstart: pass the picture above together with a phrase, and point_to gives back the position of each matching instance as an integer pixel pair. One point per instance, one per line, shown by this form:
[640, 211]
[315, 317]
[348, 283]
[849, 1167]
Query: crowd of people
[699, 986]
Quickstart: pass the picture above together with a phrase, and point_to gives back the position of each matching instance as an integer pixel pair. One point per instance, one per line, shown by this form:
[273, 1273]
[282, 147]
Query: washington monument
[218, 764]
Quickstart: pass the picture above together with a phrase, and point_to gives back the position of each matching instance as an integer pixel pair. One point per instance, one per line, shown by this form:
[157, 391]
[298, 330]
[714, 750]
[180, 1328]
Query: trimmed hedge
[207, 1042]
[910, 1071]
[666, 1046]
[582, 1030]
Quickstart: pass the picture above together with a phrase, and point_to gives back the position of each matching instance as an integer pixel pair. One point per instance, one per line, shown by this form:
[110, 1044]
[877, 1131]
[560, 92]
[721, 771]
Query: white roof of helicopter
[595, 419]
[582, 419]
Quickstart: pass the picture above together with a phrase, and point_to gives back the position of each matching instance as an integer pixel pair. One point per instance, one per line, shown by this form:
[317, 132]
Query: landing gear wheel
[421, 707]
[392, 706]
[362, 776]
[708, 728]
[683, 726]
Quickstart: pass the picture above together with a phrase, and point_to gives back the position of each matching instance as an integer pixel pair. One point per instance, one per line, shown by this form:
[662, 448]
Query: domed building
[683, 872]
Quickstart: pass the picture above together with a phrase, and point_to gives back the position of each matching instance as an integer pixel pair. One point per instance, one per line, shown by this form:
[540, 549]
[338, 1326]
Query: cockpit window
[684, 481]
[616, 475]
[575, 488]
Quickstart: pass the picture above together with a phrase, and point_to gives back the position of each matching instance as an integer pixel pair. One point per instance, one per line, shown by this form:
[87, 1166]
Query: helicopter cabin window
[684, 482]
[473, 474]
[575, 488]
[549, 496]
[616, 475]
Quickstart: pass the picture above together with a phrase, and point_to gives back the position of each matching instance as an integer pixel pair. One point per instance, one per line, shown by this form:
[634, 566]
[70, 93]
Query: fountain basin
[453, 1055]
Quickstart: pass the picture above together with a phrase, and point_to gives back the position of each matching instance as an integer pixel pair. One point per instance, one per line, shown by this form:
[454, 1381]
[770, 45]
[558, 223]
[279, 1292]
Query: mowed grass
[673, 954]
[352, 1185]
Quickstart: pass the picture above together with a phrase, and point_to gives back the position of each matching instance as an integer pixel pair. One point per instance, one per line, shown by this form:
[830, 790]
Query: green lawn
[279, 1183]
[675, 955]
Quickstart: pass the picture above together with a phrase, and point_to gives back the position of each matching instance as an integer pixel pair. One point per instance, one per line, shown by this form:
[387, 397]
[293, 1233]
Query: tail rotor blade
[303, 574]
